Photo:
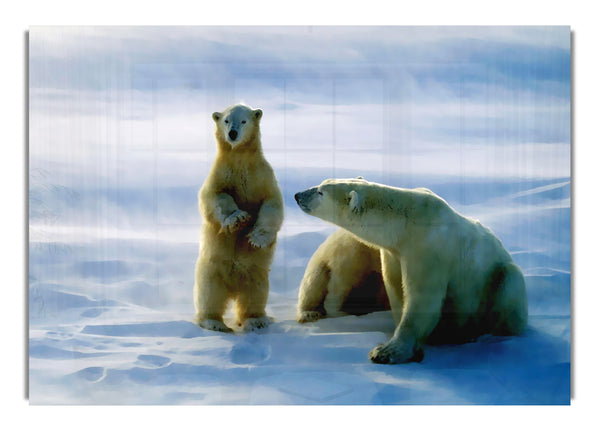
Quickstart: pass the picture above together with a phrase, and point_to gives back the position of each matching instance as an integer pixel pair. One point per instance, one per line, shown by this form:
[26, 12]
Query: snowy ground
[110, 311]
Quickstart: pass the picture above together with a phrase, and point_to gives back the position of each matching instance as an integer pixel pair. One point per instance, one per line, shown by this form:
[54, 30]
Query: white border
[21, 15]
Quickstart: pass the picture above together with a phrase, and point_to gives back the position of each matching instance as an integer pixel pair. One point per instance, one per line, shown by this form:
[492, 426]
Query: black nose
[297, 197]
[232, 135]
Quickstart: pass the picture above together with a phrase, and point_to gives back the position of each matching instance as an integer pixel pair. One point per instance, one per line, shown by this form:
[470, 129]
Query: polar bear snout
[306, 199]
[233, 134]
[301, 201]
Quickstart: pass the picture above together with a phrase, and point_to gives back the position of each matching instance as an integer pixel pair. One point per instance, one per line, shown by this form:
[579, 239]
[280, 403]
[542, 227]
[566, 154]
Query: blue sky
[420, 92]
[129, 109]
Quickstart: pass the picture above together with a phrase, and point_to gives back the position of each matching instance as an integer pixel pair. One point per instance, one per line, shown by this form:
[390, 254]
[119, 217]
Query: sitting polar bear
[448, 278]
[342, 276]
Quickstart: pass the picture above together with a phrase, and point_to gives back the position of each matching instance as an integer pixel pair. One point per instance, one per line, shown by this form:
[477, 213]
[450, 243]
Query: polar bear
[342, 276]
[242, 210]
[448, 278]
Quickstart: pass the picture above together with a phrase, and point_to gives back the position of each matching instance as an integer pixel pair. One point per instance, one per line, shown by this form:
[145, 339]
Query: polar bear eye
[243, 121]
[226, 121]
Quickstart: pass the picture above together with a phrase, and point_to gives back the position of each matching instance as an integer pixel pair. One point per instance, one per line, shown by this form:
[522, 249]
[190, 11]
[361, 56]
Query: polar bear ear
[257, 114]
[354, 202]
[216, 116]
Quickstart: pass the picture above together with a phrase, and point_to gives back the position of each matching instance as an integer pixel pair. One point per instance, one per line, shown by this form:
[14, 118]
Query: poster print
[122, 138]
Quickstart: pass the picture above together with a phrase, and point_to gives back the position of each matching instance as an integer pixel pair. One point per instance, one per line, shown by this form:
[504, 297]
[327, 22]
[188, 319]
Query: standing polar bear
[448, 278]
[242, 211]
[342, 276]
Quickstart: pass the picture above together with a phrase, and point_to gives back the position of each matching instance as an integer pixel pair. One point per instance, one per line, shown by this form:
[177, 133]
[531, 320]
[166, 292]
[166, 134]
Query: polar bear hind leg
[251, 300]
[210, 301]
[509, 308]
[313, 290]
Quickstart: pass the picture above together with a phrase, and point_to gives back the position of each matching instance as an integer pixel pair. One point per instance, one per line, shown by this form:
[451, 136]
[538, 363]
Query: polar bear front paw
[235, 221]
[309, 316]
[214, 325]
[260, 238]
[393, 353]
[254, 323]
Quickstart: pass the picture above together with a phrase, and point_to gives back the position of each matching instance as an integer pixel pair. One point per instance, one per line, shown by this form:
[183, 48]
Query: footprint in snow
[91, 374]
[93, 312]
[153, 360]
[250, 350]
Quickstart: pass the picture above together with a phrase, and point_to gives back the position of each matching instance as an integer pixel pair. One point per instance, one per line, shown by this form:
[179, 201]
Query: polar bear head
[339, 201]
[359, 206]
[237, 125]
[376, 213]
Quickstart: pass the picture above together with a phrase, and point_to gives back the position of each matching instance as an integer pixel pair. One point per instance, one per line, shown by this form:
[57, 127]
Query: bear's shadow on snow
[504, 386]
[380, 321]
[530, 369]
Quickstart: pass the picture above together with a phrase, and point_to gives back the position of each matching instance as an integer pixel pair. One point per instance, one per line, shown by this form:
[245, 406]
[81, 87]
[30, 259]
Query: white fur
[341, 267]
[354, 203]
[431, 256]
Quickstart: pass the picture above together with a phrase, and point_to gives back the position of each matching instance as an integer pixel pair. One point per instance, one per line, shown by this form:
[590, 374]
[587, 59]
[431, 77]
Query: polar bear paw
[309, 316]
[255, 323]
[214, 325]
[261, 238]
[393, 353]
[235, 221]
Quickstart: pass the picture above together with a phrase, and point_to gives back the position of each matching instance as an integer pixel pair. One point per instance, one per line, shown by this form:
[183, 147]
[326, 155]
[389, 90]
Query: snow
[110, 317]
